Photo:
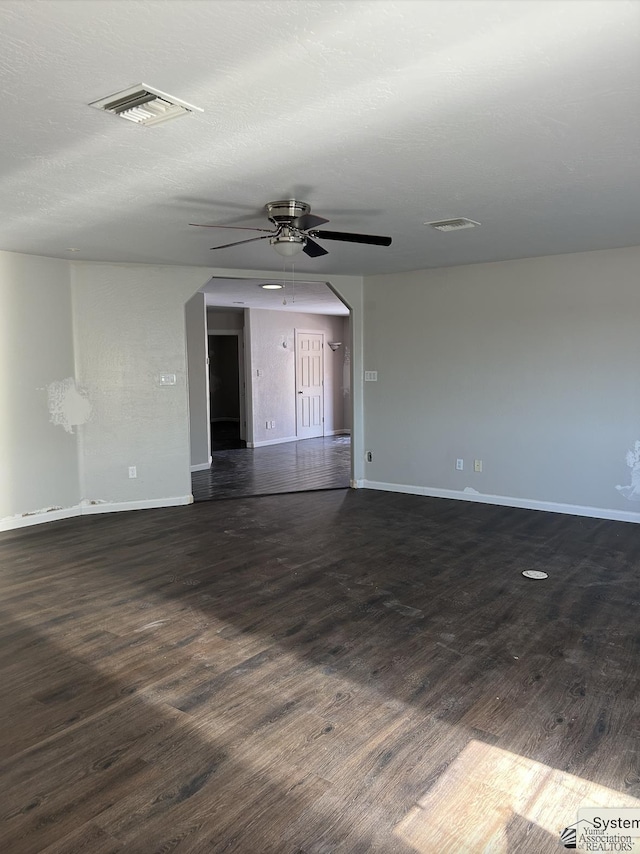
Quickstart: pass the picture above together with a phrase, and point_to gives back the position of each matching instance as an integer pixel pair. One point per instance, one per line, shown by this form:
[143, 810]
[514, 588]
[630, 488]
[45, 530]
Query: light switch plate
[167, 379]
[371, 376]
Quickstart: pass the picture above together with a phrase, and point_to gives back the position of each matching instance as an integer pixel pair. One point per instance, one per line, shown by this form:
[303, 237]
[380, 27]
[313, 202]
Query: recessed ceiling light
[272, 287]
[144, 106]
[238, 302]
[71, 249]
[452, 224]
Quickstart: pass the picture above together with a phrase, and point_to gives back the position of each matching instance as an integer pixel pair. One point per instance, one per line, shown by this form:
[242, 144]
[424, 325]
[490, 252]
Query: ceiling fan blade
[313, 249]
[239, 242]
[348, 237]
[307, 221]
[236, 227]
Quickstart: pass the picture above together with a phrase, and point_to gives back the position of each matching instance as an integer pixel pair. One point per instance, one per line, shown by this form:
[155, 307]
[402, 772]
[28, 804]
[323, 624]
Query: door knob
[300, 392]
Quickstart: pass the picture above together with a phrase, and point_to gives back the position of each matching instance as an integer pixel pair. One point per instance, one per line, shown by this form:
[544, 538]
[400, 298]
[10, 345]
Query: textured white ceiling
[309, 297]
[522, 115]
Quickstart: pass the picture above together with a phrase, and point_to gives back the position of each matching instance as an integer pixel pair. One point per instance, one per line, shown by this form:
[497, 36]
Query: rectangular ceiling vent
[453, 224]
[144, 106]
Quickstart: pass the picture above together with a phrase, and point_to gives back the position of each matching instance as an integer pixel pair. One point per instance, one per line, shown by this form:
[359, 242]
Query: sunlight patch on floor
[470, 807]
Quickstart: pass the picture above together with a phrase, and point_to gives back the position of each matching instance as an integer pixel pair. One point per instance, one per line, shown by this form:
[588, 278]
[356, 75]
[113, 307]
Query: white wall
[274, 392]
[38, 457]
[198, 381]
[530, 366]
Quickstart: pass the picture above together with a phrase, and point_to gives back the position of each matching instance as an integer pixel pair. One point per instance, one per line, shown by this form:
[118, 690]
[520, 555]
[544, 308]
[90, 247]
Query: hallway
[303, 466]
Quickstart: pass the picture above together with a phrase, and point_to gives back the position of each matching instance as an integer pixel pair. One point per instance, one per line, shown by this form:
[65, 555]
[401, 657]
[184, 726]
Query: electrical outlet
[459, 465]
[133, 471]
[273, 424]
[267, 425]
[369, 456]
[477, 465]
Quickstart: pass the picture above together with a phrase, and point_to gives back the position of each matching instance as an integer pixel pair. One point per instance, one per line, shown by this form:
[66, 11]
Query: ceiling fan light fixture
[287, 244]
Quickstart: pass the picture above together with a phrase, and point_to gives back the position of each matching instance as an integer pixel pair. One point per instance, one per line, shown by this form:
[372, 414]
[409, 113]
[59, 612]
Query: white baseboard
[202, 466]
[12, 522]
[357, 484]
[506, 501]
[264, 442]
[88, 509]
[144, 504]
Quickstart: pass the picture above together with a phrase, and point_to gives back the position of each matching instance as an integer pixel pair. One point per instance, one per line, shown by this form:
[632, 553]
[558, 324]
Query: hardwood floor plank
[88, 838]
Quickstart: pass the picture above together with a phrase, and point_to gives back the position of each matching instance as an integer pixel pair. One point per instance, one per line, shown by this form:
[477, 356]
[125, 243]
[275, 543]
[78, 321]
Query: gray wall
[346, 372]
[197, 377]
[38, 399]
[130, 328]
[530, 366]
[219, 319]
[274, 392]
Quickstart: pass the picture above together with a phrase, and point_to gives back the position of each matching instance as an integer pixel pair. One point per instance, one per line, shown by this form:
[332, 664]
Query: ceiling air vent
[453, 224]
[144, 106]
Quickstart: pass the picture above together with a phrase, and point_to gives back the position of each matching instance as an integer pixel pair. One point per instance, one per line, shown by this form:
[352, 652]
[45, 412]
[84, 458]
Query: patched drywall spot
[632, 491]
[69, 406]
[470, 490]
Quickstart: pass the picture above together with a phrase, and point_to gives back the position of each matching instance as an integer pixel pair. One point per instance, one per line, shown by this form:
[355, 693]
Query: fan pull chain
[284, 283]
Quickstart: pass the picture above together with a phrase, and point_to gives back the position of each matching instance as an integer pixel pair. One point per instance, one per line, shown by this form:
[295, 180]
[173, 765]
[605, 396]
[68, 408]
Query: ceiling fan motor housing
[286, 210]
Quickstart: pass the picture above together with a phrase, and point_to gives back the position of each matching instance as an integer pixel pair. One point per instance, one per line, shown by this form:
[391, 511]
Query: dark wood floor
[273, 469]
[340, 671]
[225, 435]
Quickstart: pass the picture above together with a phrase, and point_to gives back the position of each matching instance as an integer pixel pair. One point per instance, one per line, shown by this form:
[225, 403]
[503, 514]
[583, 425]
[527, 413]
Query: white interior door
[309, 384]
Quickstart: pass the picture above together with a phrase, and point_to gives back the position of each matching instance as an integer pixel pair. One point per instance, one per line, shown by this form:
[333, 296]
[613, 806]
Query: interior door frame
[297, 332]
[239, 334]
